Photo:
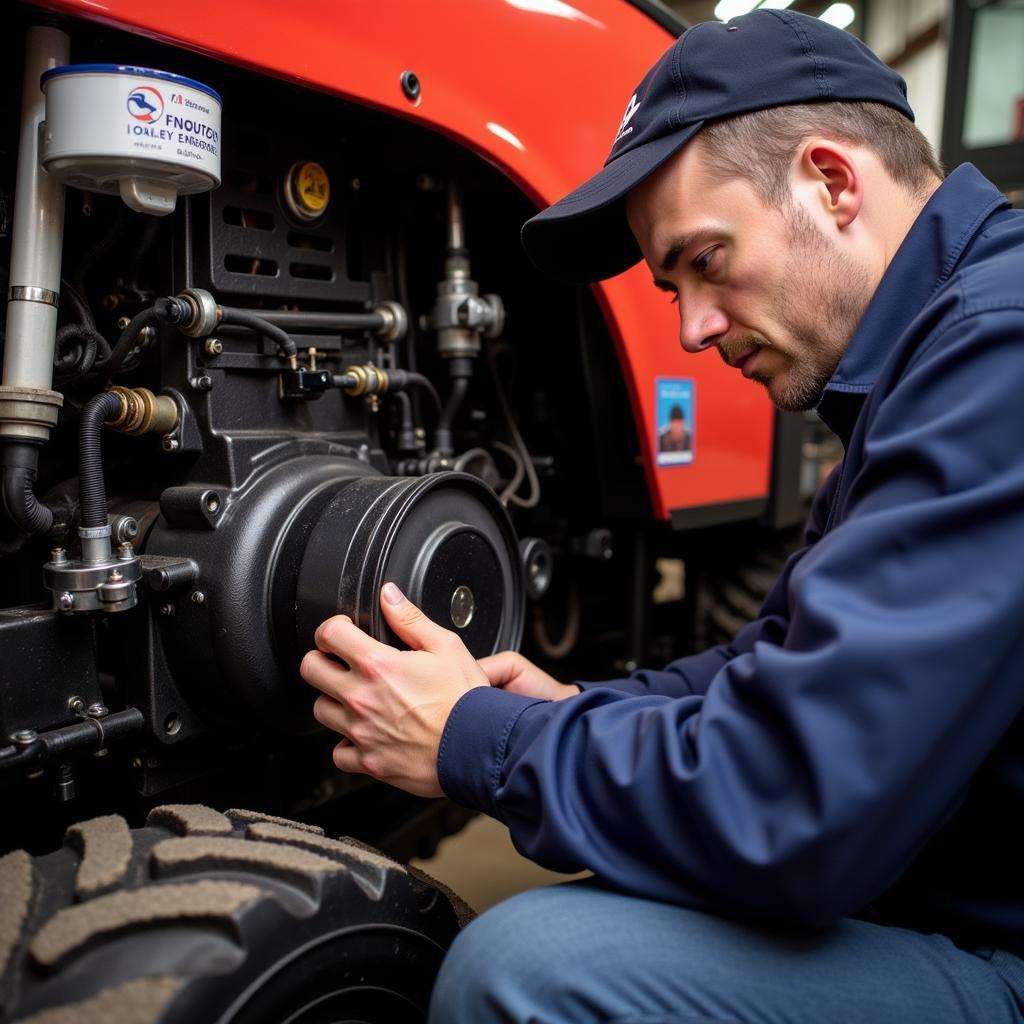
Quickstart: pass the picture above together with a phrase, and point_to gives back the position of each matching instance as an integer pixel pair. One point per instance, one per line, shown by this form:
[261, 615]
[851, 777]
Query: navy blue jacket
[857, 748]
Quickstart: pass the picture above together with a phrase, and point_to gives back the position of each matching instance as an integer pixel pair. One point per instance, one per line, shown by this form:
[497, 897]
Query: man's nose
[700, 325]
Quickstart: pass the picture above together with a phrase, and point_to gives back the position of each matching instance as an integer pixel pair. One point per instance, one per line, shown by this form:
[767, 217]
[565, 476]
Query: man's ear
[827, 166]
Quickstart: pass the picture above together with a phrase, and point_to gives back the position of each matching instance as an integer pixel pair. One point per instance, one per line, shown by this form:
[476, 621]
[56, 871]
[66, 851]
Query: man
[857, 750]
[674, 437]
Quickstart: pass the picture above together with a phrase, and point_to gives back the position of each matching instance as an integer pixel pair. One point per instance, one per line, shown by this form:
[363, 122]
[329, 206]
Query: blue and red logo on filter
[145, 104]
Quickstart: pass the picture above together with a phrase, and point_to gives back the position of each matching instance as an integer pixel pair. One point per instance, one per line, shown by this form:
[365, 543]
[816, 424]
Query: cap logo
[624, 128]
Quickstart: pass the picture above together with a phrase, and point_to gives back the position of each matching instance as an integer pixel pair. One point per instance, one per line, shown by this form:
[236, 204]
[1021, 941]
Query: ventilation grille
[247, 246]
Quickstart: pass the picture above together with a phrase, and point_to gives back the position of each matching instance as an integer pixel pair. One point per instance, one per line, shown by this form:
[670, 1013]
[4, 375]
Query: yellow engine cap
[308, 190]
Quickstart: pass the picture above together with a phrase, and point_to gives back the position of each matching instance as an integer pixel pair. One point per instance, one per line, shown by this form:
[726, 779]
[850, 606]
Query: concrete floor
[482, 866]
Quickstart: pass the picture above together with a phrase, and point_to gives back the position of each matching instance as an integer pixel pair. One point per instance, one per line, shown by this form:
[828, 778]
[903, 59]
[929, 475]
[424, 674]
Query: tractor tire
[203, 916]
[733, 590]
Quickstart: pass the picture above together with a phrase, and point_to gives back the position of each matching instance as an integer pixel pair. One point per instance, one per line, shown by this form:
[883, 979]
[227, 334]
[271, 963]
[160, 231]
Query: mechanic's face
[766, 287]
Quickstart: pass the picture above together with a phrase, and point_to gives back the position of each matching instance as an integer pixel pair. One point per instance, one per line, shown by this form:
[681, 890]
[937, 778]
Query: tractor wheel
[733, 587]
[203, 917]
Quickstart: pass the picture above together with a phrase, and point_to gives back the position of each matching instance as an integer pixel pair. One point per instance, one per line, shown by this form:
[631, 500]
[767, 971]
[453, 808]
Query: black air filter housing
[444, 539]
[312, 536]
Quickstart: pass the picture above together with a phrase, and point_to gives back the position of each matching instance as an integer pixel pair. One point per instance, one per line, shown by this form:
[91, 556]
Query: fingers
[501, 668]
[340, 636]
[333, 714]
[348, 759]
[321, 671]
[410, 624]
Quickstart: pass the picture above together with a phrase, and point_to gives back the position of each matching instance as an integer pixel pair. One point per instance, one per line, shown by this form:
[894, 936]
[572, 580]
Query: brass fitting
[142, 412]
[369, 380]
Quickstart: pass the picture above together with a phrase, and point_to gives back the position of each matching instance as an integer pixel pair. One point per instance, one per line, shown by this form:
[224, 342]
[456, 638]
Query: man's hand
[390, 706]
[511, 671]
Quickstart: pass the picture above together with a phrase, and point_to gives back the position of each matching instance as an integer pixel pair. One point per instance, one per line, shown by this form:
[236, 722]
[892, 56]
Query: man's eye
[703, 262]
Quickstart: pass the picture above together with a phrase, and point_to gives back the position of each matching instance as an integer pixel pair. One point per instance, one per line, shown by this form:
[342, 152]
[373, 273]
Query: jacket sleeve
[809, 773]
[692, 675]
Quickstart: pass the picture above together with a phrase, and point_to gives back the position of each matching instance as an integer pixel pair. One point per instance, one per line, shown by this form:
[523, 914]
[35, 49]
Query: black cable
[402, 380]
[129, 336]
[91, 491]
[406, 440]
[244, 318]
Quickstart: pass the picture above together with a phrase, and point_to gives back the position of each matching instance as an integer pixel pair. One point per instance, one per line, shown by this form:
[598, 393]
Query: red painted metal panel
[537, 87]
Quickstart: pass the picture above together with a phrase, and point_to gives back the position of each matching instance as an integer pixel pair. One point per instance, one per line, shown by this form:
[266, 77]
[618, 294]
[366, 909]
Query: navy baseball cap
[767, 58]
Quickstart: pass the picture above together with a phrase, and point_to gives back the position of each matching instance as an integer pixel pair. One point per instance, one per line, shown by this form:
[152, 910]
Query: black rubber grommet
[411, 85]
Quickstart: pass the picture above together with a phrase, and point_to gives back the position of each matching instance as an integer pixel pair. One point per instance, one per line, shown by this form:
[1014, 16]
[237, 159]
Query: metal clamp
[29, 293]
[94, 585]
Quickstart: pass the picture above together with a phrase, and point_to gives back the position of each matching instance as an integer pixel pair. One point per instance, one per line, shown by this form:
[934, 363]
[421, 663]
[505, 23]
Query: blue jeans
[578, 953]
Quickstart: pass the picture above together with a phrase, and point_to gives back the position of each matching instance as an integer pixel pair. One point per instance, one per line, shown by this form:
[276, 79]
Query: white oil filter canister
[148, 136]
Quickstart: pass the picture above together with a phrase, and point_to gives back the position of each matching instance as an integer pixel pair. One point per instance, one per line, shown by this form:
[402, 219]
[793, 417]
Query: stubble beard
[833, 293]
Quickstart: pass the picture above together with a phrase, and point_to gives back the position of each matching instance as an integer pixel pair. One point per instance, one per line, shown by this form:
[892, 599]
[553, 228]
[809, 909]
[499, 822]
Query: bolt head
[97, 710]
[24, 736]
[126, 528]
[76, 705]
[204, 383]
[167, 610]
[66, 601]
[213, 347]
[125, 551]
[115, 576]
[198, 597]
[170, 444]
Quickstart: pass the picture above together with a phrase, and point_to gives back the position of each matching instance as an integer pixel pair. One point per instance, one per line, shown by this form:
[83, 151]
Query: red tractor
[270, 340]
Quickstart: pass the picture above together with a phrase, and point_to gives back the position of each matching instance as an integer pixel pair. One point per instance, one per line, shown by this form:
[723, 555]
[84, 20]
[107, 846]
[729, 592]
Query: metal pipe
[456, 228]
[85, 737]
[299, 320]
[28, 403]
[38, 230]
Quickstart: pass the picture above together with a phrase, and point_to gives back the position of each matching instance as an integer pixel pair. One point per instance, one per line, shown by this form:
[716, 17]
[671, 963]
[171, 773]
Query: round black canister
[445, 539]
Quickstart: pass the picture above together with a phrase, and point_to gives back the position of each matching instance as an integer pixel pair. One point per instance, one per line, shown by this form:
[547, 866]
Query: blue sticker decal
[674, 421]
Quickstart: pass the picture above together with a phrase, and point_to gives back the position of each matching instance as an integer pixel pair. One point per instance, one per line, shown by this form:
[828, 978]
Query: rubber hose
[20, 463]
[406, 431]
[411, 379]
[126, 342]
[75, 363]
[443, 433]
[243, 318]
[92, 493]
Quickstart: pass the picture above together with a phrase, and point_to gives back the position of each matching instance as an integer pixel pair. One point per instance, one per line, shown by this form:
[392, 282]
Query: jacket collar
[923, 263]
